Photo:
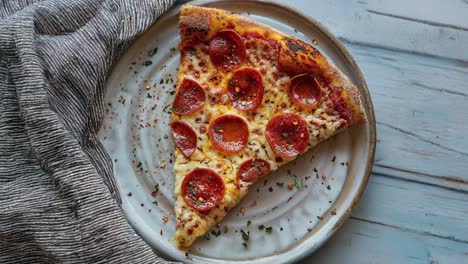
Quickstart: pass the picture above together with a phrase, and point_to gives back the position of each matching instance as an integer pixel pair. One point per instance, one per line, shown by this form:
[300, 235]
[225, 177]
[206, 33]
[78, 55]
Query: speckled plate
[136, 135]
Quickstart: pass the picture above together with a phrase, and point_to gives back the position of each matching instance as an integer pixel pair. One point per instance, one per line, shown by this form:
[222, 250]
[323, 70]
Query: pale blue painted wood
[414, 55]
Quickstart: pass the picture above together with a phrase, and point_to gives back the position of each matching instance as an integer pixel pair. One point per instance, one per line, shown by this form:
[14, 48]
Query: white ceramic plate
[136, 135]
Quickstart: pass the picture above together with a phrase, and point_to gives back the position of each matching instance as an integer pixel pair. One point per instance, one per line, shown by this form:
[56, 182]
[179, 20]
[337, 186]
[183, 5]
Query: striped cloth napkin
[58, 201]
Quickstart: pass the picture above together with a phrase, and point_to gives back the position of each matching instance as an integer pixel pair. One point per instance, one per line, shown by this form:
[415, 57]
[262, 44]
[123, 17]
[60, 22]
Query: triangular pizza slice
[249, 100]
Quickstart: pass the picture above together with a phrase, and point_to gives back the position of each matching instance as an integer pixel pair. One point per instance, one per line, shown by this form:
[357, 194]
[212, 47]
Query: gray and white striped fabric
[58, 202]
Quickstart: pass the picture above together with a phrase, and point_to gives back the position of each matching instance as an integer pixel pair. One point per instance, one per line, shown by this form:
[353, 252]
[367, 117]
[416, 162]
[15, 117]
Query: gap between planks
[409, 230]
[422, 21]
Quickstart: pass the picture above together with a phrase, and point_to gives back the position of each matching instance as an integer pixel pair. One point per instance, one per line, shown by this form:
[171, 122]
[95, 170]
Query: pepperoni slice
[227, 50]
[190, 98]
[245, 89]
[305, 91]
[203, 189]
[251, 170]
[287, 135]
[229, 134]
[185, 137]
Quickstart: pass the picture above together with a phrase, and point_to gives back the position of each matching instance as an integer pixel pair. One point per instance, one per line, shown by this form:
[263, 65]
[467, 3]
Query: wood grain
[421, 106]
[366, 242]
[437, 28]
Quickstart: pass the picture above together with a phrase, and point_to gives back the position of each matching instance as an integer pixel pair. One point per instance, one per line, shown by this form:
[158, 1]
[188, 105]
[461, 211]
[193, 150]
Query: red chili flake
[154, 193]
[202, 130]
[270, 189]
[289, 199]
[315, 170]
[142, 204]
[342, 163]
[333, 212]
[172, 92]
[129, 194]
[161, 232]
[165, 219]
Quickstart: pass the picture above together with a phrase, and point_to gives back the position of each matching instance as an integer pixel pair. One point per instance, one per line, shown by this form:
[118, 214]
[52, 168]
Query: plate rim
[367, 102]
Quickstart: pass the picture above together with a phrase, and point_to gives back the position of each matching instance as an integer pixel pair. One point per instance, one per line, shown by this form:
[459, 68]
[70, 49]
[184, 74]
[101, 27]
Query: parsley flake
[152, 52]
[245, 236]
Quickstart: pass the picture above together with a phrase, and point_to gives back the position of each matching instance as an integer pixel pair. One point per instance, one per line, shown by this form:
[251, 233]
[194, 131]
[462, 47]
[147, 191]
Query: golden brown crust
[194, 21]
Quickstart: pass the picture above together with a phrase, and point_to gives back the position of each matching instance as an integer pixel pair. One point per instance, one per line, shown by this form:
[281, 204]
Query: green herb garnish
[152, 52]
[245, 236]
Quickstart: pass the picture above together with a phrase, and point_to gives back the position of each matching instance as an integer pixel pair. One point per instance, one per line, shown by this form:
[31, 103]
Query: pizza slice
[249, 100]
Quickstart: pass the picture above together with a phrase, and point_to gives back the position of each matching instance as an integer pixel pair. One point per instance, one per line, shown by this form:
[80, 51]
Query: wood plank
[401, 222]
[421, 106]
[415, 207]
[364, 242]
[436, 12]
[386, 24]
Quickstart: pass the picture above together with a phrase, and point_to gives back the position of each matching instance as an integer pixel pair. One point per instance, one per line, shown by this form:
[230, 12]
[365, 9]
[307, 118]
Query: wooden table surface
[414, 55]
